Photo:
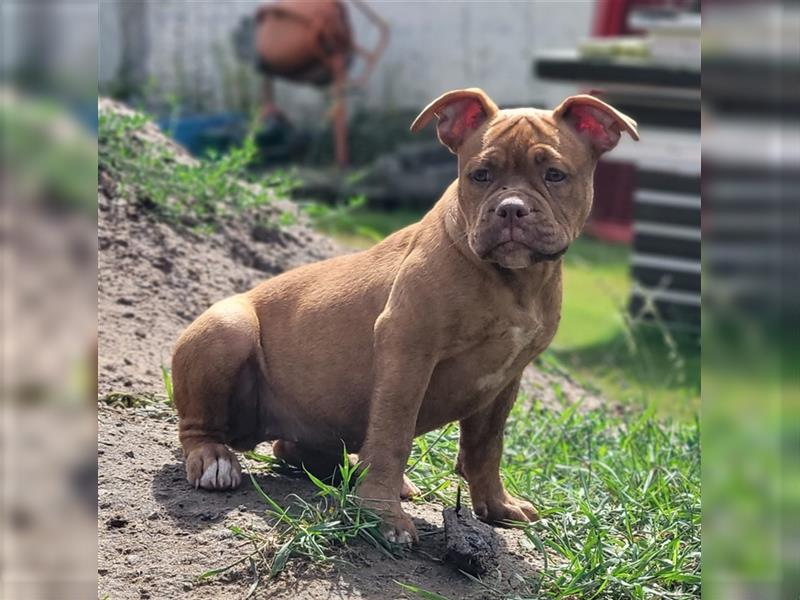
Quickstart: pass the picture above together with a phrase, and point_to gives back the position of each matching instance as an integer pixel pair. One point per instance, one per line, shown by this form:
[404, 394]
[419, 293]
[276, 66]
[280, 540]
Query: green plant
[619, 497]
[341, 218]
[431, 465]
[310, 530]
[421, 592]
[179, 188]
[166, 377]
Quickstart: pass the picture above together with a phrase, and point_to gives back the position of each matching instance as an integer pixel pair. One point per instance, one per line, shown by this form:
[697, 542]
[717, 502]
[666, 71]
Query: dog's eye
[481, 176]
[554, 175]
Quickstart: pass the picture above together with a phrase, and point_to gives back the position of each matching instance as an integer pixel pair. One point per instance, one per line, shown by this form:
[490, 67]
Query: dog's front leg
[402, 372]
[480, 451]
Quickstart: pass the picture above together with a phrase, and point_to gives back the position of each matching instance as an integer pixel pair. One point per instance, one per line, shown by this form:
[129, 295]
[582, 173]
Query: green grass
[166, 379]
[356, 226]
[600, 344]
[619, 498]
[596, 284]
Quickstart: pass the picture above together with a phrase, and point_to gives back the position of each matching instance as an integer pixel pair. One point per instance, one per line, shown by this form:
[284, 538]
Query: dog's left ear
[600, 124]
[460, 113]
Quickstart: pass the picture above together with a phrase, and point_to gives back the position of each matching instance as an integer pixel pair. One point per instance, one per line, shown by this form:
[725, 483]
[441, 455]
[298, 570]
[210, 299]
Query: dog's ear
[600, 124]
[460, 112]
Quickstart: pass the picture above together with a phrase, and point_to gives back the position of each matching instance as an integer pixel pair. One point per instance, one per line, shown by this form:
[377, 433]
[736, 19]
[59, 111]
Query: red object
[610, 17]
[301, 40]
[612, 211]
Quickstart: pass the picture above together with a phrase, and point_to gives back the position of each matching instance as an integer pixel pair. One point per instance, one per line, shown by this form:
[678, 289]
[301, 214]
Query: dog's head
[524, 175]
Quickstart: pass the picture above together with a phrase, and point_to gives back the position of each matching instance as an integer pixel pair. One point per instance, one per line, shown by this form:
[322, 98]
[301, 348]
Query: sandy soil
[156, 533]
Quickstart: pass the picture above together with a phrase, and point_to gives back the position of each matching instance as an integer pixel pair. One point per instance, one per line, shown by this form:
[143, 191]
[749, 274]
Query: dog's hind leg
[216, 381]
[320, 463]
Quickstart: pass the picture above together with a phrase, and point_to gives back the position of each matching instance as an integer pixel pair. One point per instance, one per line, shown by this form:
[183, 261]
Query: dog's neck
[526, 283]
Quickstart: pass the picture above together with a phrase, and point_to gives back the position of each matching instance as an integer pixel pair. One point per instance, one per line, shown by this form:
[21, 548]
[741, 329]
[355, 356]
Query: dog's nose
[513, 207]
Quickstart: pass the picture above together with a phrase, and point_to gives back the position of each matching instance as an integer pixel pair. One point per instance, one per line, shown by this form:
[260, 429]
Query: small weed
[166, 377]
[130, 400]
[421, 592]
[157, 405]
[310, 530]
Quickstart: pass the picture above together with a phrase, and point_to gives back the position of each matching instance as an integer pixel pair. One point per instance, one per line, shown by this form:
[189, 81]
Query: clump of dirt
[156, 533]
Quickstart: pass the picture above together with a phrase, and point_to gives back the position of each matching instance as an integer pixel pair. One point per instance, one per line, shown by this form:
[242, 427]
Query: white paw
[404, 537]
[220, 474]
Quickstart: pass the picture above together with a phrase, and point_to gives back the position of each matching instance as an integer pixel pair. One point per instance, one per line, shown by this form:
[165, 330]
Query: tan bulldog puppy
[435, 324]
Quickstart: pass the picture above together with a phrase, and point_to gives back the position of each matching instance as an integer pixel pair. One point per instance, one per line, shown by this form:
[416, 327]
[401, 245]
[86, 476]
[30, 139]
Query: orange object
[311, 41]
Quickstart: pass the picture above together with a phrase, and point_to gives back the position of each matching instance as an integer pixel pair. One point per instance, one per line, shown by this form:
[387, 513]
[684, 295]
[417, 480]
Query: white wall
[59, 39]
[438, 46]
[434, 47]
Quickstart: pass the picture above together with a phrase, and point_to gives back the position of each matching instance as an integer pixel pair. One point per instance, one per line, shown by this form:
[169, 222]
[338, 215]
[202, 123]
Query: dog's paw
[398, 528]
[213, 467]
[504, 508]
[409, 490]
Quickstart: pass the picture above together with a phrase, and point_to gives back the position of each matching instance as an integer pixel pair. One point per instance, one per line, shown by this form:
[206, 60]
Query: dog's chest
[506, 351]
[468, 380]
[503, 353]
[487, 349]
[493, 354]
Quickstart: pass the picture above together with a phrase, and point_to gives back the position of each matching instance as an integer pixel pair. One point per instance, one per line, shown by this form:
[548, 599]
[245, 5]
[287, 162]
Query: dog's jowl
[434, 324]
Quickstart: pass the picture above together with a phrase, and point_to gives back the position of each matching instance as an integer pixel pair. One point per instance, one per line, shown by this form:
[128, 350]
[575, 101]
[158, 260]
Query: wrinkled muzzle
[515, 230]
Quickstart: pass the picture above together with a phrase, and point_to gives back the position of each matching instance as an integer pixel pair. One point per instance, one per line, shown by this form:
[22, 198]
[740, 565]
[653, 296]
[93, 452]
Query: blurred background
[318, 97]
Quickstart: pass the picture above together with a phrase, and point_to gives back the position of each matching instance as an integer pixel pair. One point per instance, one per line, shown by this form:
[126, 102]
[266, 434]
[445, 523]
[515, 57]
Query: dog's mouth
[543, 257]
[536, 256]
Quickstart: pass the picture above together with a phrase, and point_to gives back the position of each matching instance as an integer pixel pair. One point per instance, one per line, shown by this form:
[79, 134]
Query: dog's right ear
[460, 113]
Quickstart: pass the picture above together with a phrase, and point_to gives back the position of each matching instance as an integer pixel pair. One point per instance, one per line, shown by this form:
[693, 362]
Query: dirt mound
[154, 278]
